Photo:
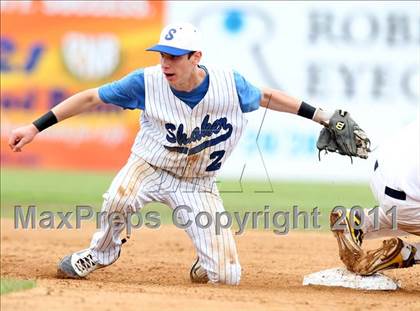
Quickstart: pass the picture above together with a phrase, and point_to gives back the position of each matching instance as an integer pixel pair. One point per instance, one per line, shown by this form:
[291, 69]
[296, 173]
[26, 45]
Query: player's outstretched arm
[276, 100]
[72, 106]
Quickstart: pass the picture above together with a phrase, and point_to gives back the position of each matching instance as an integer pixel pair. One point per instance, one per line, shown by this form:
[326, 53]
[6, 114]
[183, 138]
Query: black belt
[396, 194]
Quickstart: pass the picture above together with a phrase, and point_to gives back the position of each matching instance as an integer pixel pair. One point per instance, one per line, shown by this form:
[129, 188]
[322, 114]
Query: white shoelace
[86, 263]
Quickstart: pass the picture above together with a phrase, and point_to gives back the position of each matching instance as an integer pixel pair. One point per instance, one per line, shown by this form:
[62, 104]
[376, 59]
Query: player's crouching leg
[229, 274]
[105, 246]
[106, 243]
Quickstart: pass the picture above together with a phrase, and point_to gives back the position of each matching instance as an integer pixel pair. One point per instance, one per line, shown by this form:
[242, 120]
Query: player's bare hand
[22, 136]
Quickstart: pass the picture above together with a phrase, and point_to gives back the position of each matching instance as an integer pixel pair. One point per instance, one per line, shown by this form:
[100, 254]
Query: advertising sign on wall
[53, 49]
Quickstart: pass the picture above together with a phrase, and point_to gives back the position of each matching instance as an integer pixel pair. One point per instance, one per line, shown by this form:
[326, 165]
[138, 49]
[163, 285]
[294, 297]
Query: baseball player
[192, 118]
[395, 183]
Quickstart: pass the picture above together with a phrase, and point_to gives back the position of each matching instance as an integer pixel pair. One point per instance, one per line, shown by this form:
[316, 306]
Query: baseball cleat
[78, 265]
[352, 233]
[393, 253]
[356, 234]
[197, 273]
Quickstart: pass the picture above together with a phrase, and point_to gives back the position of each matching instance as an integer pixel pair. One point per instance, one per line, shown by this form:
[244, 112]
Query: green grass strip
[63, 191]
[12, 285]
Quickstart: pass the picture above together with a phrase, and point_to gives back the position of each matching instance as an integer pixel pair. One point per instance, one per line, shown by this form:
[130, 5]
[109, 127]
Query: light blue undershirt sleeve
[249, 95]
[128, 92]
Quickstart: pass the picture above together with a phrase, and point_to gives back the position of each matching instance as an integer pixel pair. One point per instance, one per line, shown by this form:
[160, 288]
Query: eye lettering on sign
[170, 34]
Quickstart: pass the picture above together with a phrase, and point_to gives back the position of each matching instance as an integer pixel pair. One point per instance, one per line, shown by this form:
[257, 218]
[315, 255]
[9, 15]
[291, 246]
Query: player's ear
[196, 57]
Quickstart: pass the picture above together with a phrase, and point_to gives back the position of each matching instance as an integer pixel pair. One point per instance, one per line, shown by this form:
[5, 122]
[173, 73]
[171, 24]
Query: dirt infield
[152, 274]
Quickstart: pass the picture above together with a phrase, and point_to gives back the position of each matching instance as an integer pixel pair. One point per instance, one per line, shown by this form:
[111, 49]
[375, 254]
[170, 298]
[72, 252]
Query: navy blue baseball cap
[178, 39]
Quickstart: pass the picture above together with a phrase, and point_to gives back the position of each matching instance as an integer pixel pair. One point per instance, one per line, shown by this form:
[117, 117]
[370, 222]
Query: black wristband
[45, 121]
[306, 111]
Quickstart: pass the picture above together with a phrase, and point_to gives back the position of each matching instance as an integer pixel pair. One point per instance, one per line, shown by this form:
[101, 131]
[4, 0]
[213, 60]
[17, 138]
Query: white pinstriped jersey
[189, 142]
[401, 170]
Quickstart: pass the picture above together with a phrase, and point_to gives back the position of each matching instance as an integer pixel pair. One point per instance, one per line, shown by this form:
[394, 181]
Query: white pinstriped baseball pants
[407, 213]
[139, 183]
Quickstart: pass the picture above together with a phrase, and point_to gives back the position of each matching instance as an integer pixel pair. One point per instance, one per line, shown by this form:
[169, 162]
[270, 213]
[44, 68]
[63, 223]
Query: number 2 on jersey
[217, 163]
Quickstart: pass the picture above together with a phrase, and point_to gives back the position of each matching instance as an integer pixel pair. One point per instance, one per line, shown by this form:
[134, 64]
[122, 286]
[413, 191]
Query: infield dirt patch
[152, 274]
